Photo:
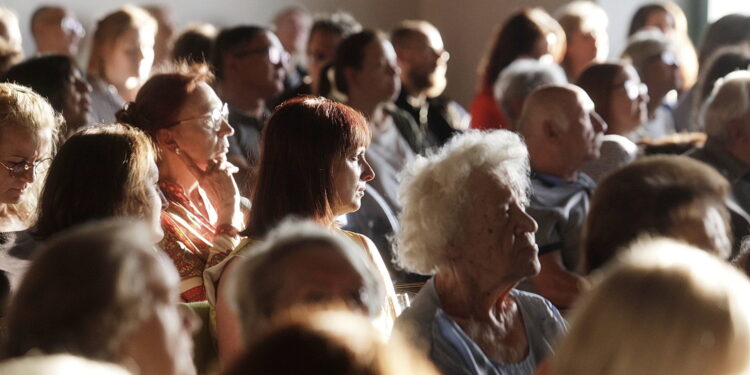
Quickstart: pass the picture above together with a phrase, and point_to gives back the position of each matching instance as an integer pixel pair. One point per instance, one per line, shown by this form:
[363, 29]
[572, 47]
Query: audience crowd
[303, 197]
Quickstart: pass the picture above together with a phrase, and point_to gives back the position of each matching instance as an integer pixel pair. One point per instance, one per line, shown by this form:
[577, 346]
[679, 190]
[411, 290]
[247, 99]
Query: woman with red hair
[187, 122]
[312, 166]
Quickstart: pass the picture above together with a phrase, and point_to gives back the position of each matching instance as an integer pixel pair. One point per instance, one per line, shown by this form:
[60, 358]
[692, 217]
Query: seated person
[469, 318]
[101, 292]
[562, 132]
[662, 308]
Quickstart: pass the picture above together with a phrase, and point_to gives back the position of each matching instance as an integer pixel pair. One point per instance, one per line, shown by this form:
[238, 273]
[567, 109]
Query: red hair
[299, 147]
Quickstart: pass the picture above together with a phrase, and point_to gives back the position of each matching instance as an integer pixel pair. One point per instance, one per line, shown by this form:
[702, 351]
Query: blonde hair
[24, 110]
[112, 27]
[664, 308]
[332, 343]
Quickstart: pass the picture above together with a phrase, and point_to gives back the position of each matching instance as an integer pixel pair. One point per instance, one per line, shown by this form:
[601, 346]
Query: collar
[582, 180]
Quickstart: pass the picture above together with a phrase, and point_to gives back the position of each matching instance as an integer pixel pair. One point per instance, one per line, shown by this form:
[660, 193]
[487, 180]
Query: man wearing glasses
[56, 31]
[248, 62]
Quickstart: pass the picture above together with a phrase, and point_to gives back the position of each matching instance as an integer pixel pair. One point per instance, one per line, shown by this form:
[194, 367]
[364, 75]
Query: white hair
[524, 76]
[434, 192]
[59, 364]
[254, 284]
[729, 101]
[664, 307]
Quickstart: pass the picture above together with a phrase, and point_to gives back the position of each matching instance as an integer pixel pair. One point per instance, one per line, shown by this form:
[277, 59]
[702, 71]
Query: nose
[226, 129]
[367, 173]
[526, 224]
[163, 199]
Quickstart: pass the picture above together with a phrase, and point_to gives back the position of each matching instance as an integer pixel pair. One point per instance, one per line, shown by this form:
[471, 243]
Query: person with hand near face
[56, 31]
[621, 99]
[312, 166]
[121, 58]
[188, 124]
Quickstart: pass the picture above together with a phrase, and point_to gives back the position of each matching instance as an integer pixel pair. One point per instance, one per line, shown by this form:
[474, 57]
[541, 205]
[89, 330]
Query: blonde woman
[665, 308]
[121, 58]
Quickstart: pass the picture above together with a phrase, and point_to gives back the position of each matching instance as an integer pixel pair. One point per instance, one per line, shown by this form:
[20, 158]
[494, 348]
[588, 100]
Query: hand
[220, 187]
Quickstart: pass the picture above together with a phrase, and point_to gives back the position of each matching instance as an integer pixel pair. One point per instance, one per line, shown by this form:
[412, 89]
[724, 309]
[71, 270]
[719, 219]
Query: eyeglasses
[275, 54]
[667, 58]
[634, 89]
[72, 25]
[217, 118]
[19, 169]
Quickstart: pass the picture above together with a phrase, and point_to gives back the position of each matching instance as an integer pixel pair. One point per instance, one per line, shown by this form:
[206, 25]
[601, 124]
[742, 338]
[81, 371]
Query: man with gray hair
[562, 132]
[726, 117]
[653, 56]
[519, 80]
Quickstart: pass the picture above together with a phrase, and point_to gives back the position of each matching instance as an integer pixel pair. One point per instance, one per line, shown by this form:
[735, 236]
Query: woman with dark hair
[57, 78]
[365, 76]
[321, 145]
[530, 32]
[620, 99]
[188, 124]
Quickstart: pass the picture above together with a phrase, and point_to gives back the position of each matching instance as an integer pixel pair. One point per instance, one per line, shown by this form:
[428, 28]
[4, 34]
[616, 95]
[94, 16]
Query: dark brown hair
[303, 139]
[598, 80]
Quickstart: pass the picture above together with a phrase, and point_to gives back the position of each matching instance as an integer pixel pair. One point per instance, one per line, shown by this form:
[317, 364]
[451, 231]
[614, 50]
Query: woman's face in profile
[127, 62]
[77, 106]
[350, 175]
[379, 74]
[628, 102]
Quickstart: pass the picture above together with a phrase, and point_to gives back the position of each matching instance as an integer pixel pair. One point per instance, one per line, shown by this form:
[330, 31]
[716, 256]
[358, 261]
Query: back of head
[256, 285]
[194, 44]
[230, 41]
[729, 102]
[306, 135]
[663, 308]
[581, 15]
[113, 26]
[598, 82]
[330, 343]
[98, 173]
[83, 293]
[728, 30]
[59, 364]
[553, 104]
[724, 61]
[641, 16]
[644, 45]
[657, 195]
[434, 190]
[350, 54]
[340, 23]
[48, 75]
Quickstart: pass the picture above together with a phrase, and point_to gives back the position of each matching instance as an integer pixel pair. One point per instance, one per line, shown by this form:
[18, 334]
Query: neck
[414, 93]
[127, 94]
[172, 169]
[552, 167]
[243, 99]
[655, 100]
[368, 106]
[464, 296]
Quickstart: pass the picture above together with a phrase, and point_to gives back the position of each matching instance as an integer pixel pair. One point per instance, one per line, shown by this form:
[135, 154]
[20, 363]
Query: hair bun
[130, 115]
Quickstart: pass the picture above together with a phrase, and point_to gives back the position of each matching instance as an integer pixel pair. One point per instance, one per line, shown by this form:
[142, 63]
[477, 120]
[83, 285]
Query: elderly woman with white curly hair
[464, 222]
[302, 263]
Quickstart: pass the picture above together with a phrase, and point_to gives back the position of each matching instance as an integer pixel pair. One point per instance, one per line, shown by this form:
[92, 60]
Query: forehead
[497, 184]
[202, 99]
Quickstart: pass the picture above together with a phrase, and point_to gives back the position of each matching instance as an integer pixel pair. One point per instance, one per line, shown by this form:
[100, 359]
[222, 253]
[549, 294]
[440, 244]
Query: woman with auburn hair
[188, 124]
[100, 172]
[530, 32]
[621, 99]
[321, 145]
[122, 54]
[663, 308]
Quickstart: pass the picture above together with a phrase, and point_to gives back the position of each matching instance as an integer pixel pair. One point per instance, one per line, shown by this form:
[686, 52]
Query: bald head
[56, 30]
[561, 129]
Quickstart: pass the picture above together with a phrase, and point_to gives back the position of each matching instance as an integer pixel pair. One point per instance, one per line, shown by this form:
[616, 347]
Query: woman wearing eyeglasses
[187, 123]
[28, 131]
[621, 100]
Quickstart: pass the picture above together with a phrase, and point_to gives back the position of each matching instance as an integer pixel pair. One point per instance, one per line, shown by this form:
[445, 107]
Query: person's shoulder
[541, 308]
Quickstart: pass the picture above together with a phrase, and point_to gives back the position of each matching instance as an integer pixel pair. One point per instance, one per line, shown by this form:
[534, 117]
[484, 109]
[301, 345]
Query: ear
[550, 130]
[736, 131]
[165, 139]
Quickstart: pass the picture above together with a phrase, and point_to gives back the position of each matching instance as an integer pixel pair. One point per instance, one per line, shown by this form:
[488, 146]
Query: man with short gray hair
[519, 80]
[562, 132]
[726, 117]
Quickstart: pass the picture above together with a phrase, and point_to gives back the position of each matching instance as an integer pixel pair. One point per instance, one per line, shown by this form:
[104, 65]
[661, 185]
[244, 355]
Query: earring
[177, 150]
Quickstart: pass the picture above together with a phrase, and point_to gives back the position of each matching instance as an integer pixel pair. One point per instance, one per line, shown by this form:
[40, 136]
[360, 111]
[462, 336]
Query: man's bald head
[560, 125]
